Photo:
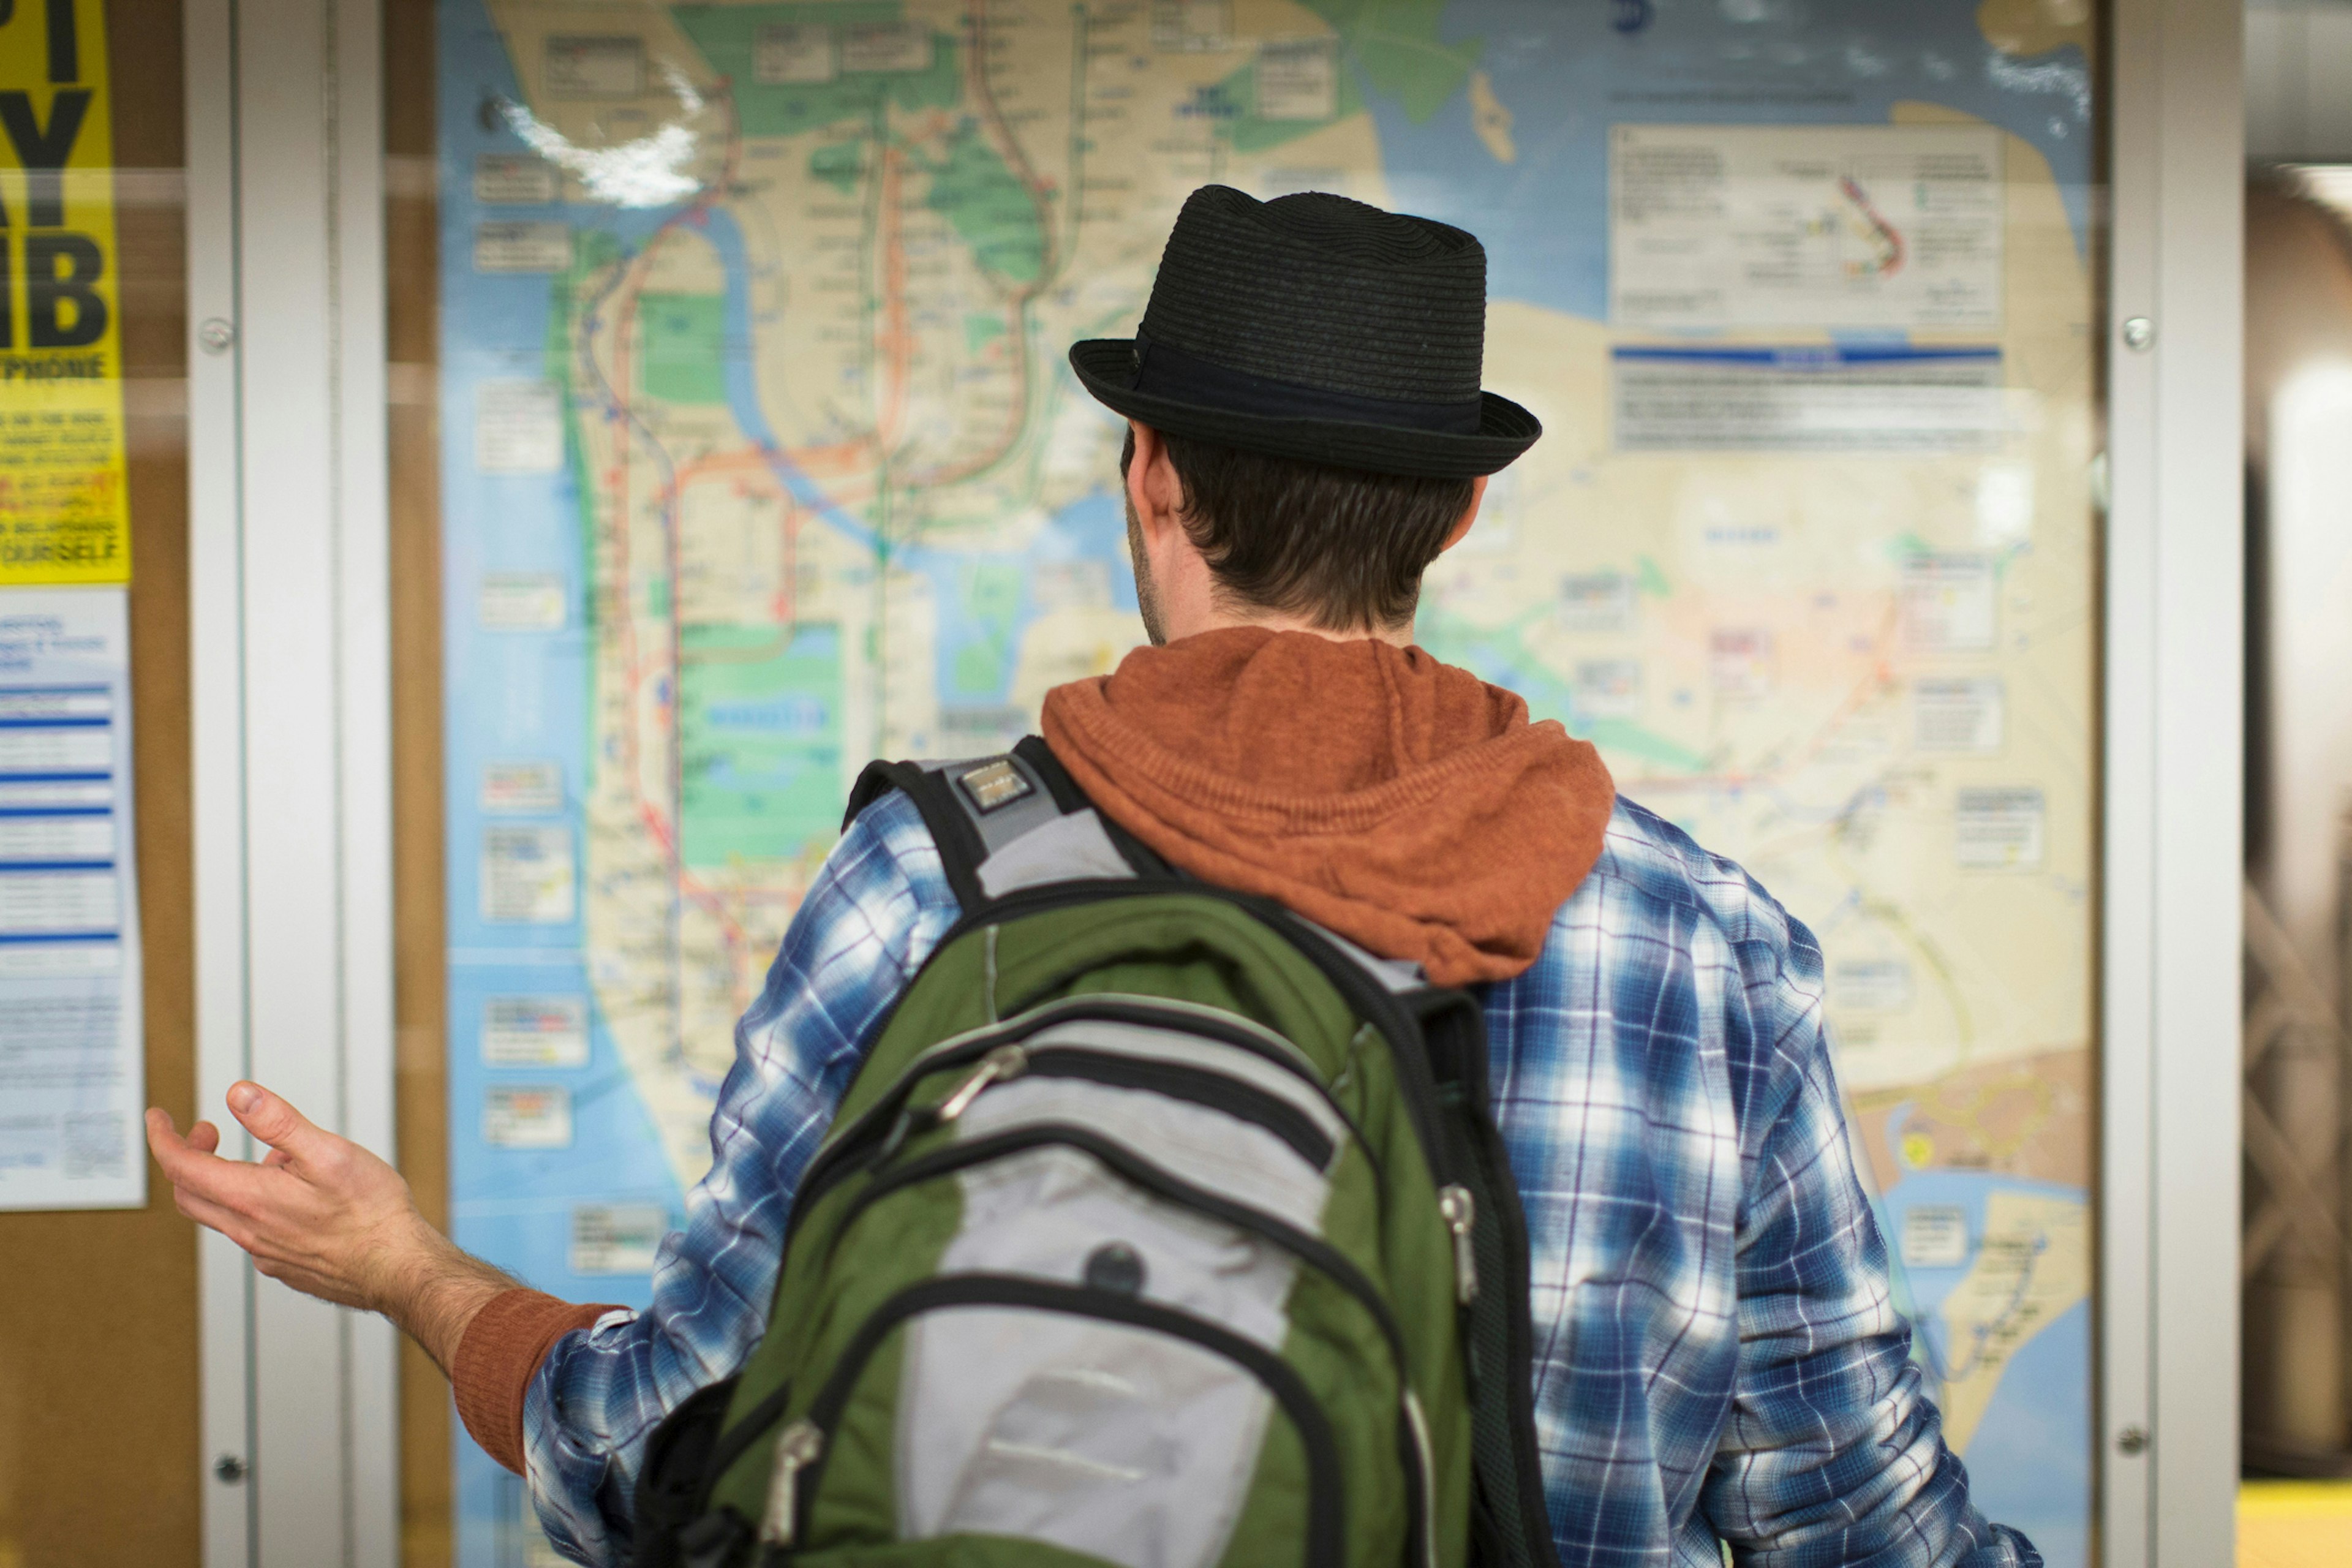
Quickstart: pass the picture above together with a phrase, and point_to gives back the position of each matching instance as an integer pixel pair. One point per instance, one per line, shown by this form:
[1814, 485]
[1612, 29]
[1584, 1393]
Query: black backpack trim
[968, 832]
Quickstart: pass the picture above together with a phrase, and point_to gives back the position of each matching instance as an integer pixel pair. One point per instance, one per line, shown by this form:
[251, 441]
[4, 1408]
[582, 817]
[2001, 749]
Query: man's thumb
[270, 1118]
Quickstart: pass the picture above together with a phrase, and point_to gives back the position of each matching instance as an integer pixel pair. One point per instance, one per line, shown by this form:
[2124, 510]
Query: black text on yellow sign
[64, 510]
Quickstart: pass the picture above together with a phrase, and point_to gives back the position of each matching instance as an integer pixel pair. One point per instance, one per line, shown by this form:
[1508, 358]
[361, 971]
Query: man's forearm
[435, 1290]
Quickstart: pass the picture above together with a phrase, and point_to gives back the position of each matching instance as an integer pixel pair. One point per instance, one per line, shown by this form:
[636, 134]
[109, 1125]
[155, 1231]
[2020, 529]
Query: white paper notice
[518, 427]
[1960, 715]
[885, 47]
[1823, 226]
[522, 789]
[535, 1032]
[72, 1083]
[616, 1239]
[521, 246]
[526, 876]
[534, 1117]
[1935, 1236]
[2000, 830]
[1949, 604]
[792, 53]
[1297, 78]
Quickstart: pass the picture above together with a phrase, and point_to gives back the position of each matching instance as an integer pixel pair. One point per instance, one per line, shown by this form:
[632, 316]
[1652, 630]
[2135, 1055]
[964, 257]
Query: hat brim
[1106, 367]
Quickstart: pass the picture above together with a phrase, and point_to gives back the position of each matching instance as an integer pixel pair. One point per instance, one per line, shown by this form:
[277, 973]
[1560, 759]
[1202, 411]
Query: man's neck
[1221, 618]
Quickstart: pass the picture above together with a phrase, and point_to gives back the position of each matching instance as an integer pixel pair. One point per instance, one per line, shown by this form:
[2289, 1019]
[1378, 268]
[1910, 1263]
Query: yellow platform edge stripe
[2295, 1499]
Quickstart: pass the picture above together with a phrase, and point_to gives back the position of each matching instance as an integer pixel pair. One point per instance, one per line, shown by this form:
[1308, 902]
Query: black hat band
[1165, 370]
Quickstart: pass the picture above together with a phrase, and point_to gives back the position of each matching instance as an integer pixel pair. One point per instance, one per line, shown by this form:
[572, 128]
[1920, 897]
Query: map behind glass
[760, 459]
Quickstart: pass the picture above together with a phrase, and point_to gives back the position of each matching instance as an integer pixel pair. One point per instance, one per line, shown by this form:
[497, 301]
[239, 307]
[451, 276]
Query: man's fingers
[274, 1121]
[205, 1212]
[190, 1162]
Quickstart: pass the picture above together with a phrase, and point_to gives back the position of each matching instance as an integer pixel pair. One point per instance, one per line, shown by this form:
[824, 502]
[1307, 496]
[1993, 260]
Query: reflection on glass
[759, 459]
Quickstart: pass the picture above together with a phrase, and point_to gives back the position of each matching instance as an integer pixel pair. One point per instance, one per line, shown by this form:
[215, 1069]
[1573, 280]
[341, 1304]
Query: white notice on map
[526, 876]
[1608, 687]
[596, 67]
[514, 179]
[1823, 226]
[521, 602]
[534, 1116]
[1297, 78]
[522, 789]
[1807, 398]
[518, 427]
[72, 1083]
[1935, 1236]
[1949, 604]
[616, 1239]
[786, 53]
[1191, 27]
[1596, 602]
[1963, 715]
[2000, 830]
[521, 246]
[893, 47]
[535, 1032]
[1870, 985]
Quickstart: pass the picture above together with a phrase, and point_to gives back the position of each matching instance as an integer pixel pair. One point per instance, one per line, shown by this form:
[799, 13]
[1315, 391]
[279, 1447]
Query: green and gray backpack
[1161, 1228]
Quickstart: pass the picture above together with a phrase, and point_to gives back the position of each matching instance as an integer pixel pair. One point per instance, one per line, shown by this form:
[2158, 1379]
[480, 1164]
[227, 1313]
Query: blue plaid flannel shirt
[1717, 1356]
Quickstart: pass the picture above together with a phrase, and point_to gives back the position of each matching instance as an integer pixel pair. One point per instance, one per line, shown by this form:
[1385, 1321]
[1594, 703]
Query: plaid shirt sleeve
[876, 911]
[1833, 1452]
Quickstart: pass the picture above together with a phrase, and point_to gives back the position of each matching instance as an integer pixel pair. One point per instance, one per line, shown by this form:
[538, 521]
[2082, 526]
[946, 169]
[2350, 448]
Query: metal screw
[216, 335]
[2139, 333]
[2132, 1440]
[229, 1468]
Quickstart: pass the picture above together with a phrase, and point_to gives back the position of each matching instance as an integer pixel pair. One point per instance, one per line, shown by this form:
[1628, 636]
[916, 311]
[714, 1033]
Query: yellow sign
[64, 512]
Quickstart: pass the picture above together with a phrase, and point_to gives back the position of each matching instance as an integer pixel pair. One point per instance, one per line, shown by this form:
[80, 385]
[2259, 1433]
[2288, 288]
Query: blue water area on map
[1565, 74]
[1092, 529]
[515, 696]
[2029, 1459]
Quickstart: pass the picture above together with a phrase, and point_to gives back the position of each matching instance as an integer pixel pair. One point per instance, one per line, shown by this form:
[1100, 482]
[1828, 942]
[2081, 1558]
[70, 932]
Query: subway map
[760, 459]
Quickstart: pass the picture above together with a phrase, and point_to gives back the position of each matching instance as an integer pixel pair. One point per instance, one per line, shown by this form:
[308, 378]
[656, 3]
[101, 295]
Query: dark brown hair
[1343, 547]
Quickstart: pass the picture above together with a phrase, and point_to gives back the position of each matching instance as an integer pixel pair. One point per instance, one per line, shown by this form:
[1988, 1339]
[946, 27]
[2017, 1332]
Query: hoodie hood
[1397, 799]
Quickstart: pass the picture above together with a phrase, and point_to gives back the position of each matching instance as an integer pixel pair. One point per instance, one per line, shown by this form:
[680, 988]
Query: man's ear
[1152, 487]
[1469, 513]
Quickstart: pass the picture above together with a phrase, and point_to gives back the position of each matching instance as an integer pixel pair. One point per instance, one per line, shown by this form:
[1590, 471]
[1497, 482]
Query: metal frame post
[291, 664]
[2173, 862]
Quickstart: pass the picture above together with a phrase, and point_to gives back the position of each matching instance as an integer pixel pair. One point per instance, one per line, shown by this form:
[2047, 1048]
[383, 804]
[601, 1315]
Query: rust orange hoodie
[1401, 802]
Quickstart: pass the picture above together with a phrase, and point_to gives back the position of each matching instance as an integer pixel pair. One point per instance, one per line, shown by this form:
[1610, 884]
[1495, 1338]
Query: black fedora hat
[1318, 328]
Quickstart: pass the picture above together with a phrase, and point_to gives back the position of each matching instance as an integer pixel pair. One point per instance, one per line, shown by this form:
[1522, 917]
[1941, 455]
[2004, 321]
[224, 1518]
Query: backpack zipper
[1003, 1063]
[1461, 1212]
[798, 1447]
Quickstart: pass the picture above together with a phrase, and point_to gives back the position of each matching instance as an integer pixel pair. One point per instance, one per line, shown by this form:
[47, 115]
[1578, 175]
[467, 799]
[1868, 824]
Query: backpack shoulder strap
[1004, 823]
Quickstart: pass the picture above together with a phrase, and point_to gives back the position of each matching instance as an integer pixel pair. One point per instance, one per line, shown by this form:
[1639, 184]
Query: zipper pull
[1003, 1062]
[1461, 1212]
[797, 1448]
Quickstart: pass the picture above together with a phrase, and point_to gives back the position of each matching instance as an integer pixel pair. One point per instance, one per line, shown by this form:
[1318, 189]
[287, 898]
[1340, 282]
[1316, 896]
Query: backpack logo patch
[994, 785]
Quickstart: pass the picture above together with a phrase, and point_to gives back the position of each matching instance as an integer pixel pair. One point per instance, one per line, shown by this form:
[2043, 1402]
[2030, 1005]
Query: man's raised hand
[326, 1217]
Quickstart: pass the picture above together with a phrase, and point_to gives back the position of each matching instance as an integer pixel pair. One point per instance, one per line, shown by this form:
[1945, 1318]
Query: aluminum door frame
[2166, 1442]
[291, 659]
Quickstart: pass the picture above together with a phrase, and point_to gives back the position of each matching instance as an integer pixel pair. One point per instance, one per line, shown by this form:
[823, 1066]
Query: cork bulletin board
[98, 1325]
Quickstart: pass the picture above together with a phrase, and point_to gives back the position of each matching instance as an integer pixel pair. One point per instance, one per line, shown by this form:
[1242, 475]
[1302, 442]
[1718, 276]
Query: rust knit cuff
[500, 1355]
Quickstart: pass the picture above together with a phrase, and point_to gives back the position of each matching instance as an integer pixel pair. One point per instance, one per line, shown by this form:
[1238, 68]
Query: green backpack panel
[1160, 1228]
